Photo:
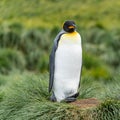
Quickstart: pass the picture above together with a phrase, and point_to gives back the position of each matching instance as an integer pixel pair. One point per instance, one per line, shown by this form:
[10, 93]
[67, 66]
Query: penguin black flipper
[52, 60]
[80, 76]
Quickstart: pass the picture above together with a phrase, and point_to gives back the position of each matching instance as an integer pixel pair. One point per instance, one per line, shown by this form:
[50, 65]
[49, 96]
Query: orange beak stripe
[71, 27]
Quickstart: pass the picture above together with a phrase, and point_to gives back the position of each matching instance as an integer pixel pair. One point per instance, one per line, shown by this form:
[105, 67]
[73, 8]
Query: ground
[86, 103]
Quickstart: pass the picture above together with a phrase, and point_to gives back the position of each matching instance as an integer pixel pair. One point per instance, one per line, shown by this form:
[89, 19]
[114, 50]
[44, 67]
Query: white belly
[68, 62]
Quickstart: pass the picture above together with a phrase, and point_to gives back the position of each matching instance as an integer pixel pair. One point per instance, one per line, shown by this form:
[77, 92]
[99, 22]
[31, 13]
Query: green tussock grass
[26, 97]
[108, 110]
[34, 13]
[11, 59]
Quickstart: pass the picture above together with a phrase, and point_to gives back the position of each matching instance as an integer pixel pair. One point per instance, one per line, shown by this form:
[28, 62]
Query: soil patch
[86, 103]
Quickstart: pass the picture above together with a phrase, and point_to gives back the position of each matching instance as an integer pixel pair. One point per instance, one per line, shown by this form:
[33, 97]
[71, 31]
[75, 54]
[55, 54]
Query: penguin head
[69, 26]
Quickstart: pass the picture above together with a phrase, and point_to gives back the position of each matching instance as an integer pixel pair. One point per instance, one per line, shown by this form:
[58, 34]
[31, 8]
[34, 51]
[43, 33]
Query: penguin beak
[71, 27]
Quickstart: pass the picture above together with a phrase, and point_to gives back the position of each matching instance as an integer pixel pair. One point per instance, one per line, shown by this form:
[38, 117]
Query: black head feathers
[69, 26]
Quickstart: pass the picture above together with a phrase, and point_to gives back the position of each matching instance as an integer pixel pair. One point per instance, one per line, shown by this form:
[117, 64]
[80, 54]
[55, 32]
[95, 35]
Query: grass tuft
[108, 110]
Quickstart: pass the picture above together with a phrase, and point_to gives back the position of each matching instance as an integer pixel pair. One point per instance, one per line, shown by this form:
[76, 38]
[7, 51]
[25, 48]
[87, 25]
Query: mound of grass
[108, 110]
[95, 67]
[104, 44]
[11, 59]
[32, 46]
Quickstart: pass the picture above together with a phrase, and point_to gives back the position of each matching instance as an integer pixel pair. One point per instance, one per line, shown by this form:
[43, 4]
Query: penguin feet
[72, 98]
[75, 95]
[53, 98]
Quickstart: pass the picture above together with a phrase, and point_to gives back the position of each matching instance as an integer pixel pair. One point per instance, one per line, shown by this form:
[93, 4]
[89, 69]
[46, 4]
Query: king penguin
[65, 64]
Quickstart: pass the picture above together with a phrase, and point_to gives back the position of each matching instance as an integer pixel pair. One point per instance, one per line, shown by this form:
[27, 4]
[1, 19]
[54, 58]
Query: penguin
[65, 64]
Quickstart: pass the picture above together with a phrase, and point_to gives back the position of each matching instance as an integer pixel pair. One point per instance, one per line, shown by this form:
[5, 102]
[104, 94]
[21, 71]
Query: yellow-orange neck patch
[72, 34]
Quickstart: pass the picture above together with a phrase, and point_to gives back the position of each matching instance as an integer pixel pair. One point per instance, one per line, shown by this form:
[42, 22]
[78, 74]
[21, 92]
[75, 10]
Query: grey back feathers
[52, 59]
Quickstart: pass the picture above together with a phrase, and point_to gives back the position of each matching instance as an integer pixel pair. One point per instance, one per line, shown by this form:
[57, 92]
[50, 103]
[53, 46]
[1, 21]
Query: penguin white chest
[68, 62]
